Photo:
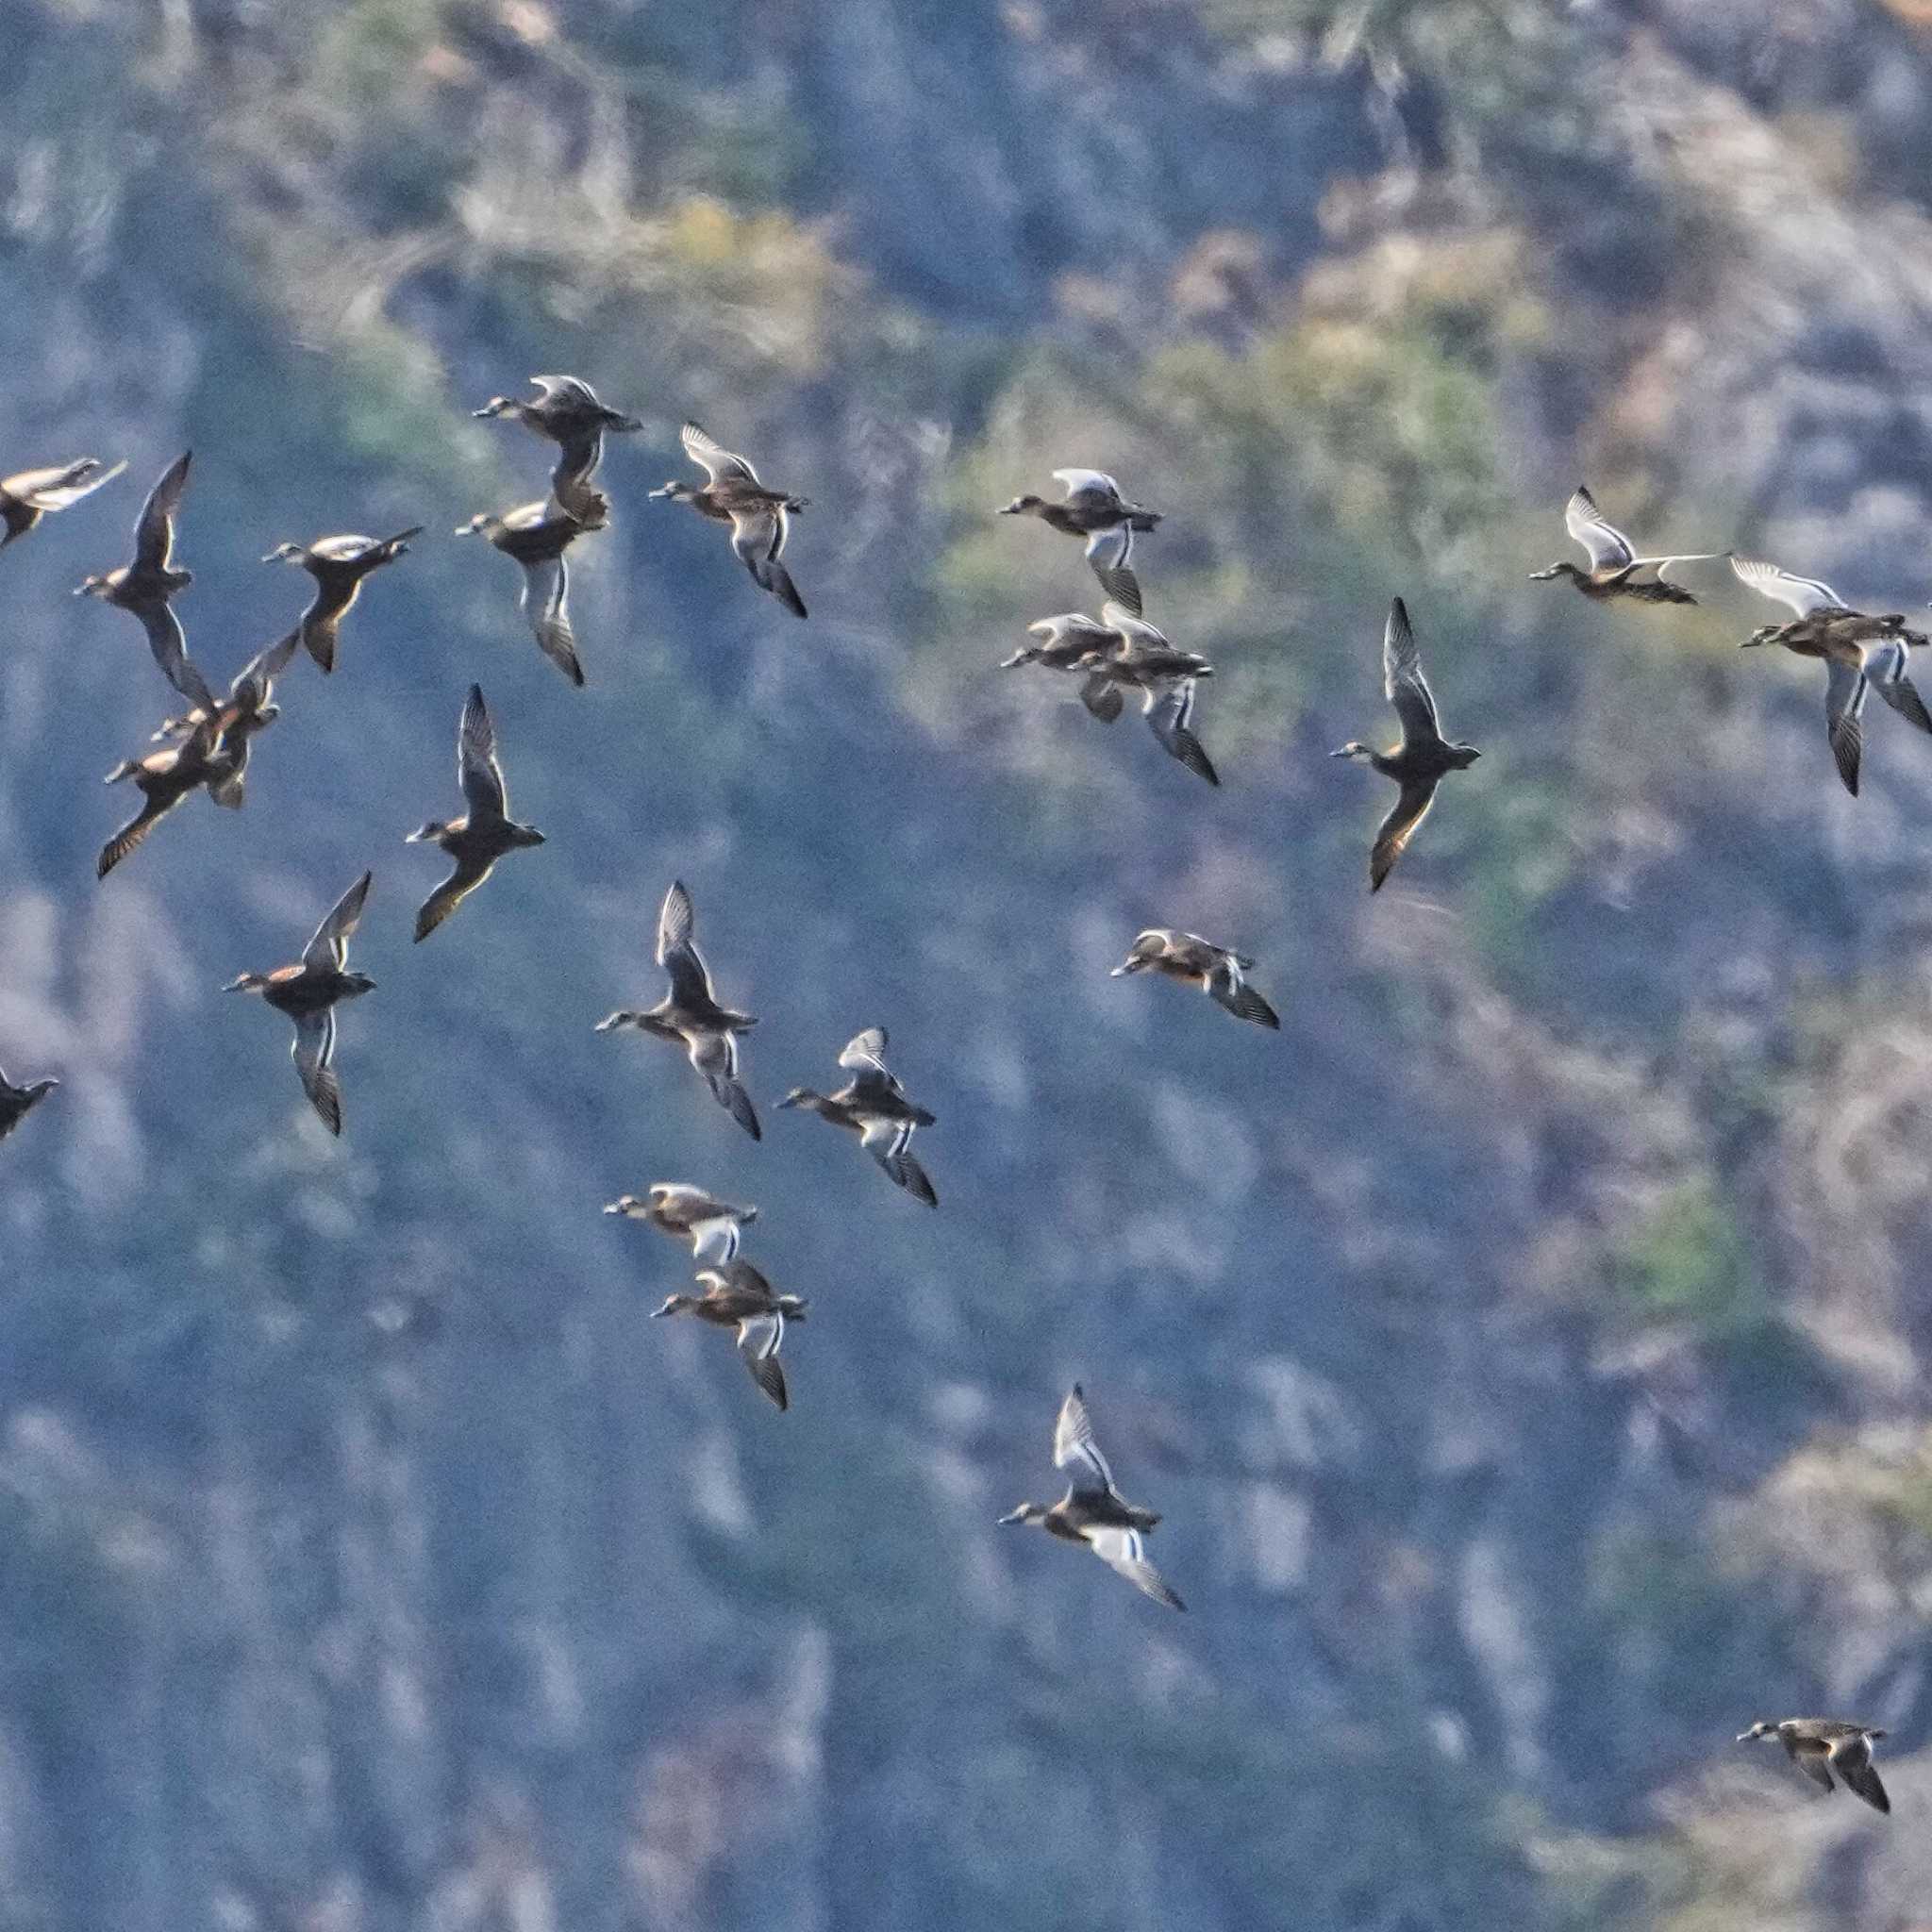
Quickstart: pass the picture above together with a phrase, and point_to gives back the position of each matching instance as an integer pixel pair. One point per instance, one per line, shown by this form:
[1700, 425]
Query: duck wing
[677, 953]
[1801, 594]
[329, 948]
[1230, 991]
[1850, 1757]
[758, 1336]
[1607, 545]
[719, 463]
[1392, 839]
[1089, 486]
[714, 1238]
[56, 488]
[478, 771]
[1885, 668]
[1075, 1450]
[1845, 690]
[1403, 681]
[468, 876]
[314, 1053]
[546, 597]
[865, 1054]
[1123, 1552]
[169, 644]
[154, 530]
[1102, 697]
[1110, 553]
[569, 390]
[1169, 715]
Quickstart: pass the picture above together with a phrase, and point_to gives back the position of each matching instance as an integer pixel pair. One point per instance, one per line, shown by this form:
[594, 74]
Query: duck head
[625, 1203]
[1763, 635]
[425, 835]
[498, 405]
[39, 1090]
[1464, 755]
[353, 985]
[1353, 749]
[1565, 569]
[286, 552]
[1140, 955]
[801, 1097]
[675, 491]
[1761, 1729]
[476, 526]
[246, 982]
[672, 1304]
[1024, 506]
[1027, 1512]
[95, 586]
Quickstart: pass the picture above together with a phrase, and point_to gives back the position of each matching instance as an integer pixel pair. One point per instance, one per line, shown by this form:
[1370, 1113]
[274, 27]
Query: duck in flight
[484, 833]
[1142, 660]
[249, 708]
[713, 1227]
[338, 564]
[1861, 654]
[690, 1013]
[163, 779]
[1195, 961]
[536, 535]
[1066, 641]
[1094, 509]
[761, 519]
[736, 1295]
[874, 1105]
[1614, 564]
[1821, 1745]
[1093, 1512]
[144, 587]
[1419, 763]
[567, 411]
[308, 991]
[16, 1102]
[28, 495]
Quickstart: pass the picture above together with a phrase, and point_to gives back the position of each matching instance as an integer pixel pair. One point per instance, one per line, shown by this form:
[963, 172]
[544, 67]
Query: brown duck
[1821, 1745]
[713, 1227]
[16, 1102]
[1195, 961]
[1861, 654]
[249, 708]
[28, 495]
[144, 587]
[1142, 660]
[484, 833]
[338, 564]
[536, 536]
[1094, 509]
[567, 411]
[738, 1296]
[690, 1013]
[164, 778]
[761, 519]
[874, 1105]
[1093, 1513]
[1418, 763]
[1614, 565]
[307, 993]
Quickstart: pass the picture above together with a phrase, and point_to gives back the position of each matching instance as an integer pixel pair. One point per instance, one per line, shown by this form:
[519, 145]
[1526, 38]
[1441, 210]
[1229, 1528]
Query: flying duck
[1093, 1511]
[144, 587]
[308, 991]
[690, 1013]
[338, 564]
[685, 1213]
[567, 411]
[1094, 509]
[759, 518]
[874, 1106]
[1418, 763]
[1142, 659]
[1614, 563]
[16, 1102]
[248, 708]
[1821, 1745]
[1860, 654]
[736, 1295]
[484, 833]
[29, 495]
[537, 535]
[163, 779]
[1195, 961]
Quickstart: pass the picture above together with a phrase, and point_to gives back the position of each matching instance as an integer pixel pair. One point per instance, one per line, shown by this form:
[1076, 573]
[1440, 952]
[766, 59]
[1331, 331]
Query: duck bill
[1014, 1516]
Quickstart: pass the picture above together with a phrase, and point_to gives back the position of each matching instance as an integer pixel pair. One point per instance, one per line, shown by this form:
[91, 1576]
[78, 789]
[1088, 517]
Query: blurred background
[1524, 1347]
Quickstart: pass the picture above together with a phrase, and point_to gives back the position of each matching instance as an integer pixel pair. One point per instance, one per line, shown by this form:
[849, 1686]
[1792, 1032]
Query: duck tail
[1140, 519]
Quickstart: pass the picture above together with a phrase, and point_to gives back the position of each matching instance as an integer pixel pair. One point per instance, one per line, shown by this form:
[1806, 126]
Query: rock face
[1523, 1347]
